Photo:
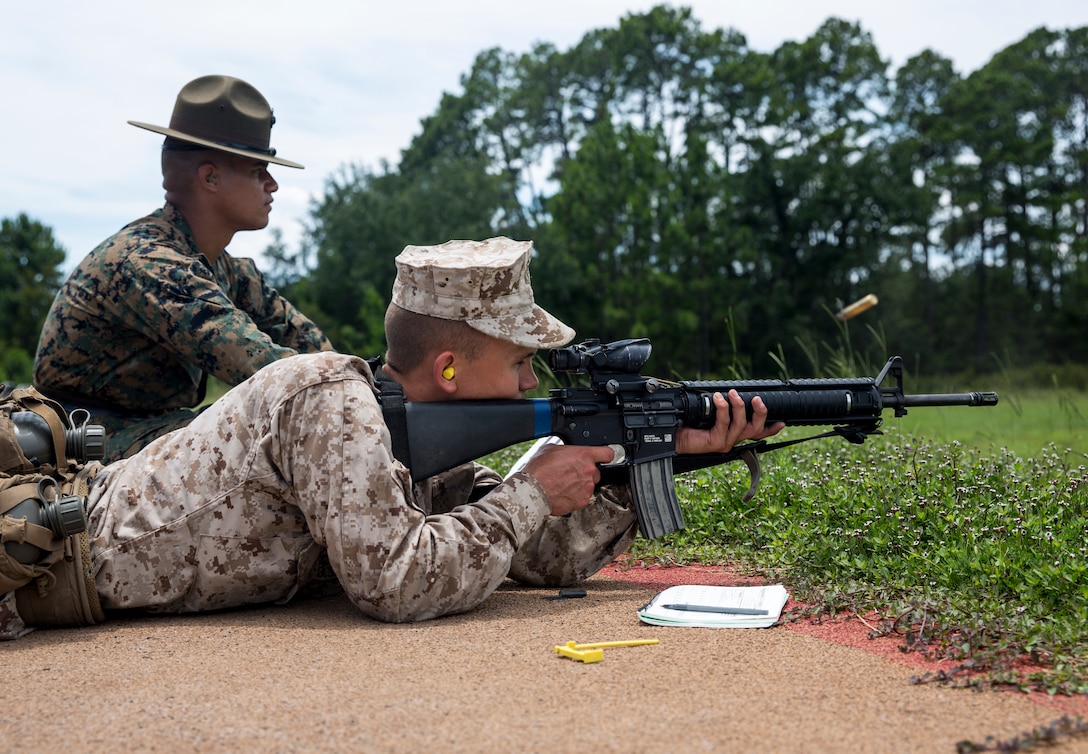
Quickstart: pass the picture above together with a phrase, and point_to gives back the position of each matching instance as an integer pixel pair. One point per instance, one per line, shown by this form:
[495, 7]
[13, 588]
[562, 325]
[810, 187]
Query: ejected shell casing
[856, 308]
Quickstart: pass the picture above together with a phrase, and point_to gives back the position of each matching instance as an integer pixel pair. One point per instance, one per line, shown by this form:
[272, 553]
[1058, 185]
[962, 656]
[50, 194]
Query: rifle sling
[391, 399]
[696, 461]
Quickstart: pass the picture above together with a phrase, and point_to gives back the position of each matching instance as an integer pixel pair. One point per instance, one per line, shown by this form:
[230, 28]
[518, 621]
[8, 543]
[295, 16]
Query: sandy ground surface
[316, 676]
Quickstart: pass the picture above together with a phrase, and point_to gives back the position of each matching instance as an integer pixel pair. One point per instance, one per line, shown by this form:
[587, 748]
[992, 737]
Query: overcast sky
[349, 79]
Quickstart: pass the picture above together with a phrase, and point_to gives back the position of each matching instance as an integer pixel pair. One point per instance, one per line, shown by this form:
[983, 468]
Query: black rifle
[638, 417]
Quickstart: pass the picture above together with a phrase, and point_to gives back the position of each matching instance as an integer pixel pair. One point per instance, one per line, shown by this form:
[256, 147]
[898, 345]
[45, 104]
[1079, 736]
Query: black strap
[391, 399]
[695, 461]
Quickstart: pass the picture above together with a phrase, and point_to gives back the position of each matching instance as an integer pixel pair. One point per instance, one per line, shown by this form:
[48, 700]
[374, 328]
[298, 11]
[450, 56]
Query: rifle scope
[619, 357]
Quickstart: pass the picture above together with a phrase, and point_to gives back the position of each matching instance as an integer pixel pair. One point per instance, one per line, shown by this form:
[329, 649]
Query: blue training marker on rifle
[542, 417]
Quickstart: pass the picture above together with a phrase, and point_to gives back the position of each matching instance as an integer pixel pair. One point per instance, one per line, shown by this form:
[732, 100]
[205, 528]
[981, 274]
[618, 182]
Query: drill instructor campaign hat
[483, 283]
[225, 114]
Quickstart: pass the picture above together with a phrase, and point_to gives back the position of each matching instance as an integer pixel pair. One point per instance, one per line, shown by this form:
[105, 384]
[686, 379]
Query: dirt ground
[316, 676]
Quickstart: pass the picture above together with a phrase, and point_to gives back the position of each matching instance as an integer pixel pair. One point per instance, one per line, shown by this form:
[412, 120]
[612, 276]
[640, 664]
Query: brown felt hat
[225, 114]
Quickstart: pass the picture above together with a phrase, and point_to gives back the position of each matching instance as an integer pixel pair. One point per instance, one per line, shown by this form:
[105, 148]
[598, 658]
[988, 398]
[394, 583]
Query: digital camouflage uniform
[236, 509]
[144, 318]
[295, 465]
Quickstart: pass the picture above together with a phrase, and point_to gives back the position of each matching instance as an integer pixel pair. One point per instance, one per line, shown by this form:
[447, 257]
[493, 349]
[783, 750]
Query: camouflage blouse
[143, 318]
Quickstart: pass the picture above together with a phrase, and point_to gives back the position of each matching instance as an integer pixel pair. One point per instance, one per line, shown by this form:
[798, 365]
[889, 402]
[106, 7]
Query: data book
[716, 606]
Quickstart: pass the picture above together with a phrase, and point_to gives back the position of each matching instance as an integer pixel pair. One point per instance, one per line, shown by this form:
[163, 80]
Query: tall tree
[912, 193]
[809, 193]
[365, 219]
[1069, 216]
[30, 275]
[640, 201]
[1001, 120]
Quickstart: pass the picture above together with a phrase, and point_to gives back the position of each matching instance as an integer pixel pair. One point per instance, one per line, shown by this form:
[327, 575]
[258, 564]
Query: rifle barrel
[949, 399]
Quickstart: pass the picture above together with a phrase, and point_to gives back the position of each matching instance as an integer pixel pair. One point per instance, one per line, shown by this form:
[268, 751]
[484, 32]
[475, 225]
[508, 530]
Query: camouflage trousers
[237, 507]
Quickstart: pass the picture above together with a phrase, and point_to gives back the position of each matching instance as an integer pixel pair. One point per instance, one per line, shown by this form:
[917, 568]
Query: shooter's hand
[731, 425]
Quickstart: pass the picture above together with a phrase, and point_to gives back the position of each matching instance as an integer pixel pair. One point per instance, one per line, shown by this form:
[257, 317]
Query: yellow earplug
[447, 373]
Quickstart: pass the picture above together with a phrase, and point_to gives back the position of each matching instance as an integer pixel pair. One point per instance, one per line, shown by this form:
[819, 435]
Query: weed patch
[977, 558]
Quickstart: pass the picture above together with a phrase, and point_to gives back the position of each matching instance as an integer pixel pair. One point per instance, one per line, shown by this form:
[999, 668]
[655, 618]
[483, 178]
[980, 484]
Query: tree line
[724, 202]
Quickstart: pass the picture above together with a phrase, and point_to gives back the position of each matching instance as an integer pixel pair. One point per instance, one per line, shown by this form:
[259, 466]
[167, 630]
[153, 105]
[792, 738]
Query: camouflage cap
[483, 283]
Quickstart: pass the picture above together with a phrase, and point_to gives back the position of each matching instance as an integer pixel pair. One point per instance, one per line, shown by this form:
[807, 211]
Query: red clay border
[848, 631]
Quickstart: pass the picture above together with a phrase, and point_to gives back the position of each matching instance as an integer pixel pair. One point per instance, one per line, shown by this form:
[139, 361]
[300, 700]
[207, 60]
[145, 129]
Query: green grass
[1024, 421]
[967, 555]
[963, 530]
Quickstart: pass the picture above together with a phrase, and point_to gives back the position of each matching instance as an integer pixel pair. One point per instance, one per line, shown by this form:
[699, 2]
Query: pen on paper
[716, 609]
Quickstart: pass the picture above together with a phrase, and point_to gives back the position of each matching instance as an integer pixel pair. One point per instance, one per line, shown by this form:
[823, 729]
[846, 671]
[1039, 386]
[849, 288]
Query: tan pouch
[71, 599]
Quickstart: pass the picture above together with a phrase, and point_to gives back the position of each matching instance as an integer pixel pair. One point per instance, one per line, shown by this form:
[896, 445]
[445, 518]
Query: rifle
[638, 417]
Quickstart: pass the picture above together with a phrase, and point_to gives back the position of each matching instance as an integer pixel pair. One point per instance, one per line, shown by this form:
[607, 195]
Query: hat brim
[537, 329]
[252, 154]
